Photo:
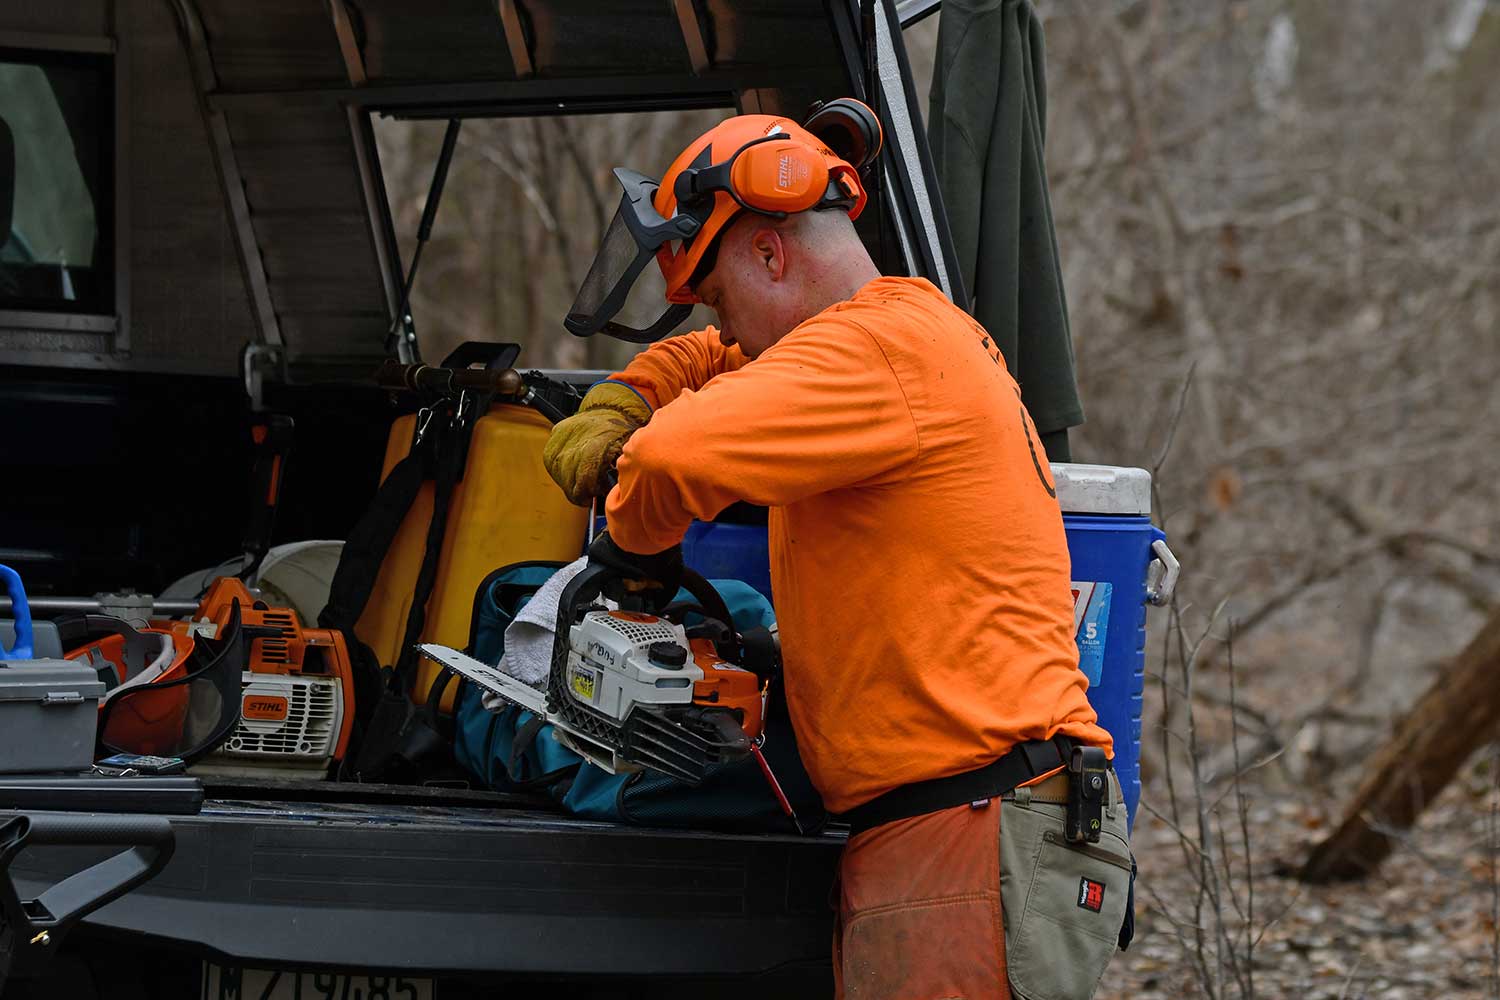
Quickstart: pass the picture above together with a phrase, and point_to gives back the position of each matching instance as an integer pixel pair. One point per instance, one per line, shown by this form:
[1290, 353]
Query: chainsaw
[631, 688]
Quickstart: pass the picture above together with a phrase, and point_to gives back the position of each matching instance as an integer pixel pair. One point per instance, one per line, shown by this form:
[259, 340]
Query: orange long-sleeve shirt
[918, 559]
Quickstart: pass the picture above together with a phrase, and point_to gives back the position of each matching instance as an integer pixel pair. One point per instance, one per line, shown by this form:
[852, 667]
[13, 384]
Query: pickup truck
[203, 232]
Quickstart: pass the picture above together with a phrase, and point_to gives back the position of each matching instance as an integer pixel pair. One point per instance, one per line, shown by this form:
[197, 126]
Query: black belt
[1022, 763]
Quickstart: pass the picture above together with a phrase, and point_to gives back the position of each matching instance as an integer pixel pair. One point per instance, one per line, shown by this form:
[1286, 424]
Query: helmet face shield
[611, 300]
[763, 164]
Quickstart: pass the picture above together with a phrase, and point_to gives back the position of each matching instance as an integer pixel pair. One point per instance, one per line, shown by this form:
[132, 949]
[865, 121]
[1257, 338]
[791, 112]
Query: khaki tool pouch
[1064, 903]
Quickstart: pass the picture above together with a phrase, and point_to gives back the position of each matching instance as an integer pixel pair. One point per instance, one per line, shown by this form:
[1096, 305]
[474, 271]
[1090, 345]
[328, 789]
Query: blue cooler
[1107, 515]
[725, 551]
[722, 551]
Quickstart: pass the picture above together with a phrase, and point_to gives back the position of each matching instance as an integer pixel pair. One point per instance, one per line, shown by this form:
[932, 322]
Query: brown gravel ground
[1424, 925]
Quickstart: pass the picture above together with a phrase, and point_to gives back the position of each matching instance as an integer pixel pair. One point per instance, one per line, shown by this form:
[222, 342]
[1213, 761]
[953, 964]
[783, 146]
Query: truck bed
[470, 885]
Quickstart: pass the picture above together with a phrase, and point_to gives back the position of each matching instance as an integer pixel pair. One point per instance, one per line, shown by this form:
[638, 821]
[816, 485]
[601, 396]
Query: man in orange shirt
[918, 561]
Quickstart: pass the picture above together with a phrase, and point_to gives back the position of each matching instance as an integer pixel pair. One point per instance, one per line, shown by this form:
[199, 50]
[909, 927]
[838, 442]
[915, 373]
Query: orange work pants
[919, 909]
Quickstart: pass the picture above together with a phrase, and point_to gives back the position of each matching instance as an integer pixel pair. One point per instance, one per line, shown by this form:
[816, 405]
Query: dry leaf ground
[1423, 926]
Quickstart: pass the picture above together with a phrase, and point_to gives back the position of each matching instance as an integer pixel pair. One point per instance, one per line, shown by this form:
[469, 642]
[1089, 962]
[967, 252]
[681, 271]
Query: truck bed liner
[450, 888]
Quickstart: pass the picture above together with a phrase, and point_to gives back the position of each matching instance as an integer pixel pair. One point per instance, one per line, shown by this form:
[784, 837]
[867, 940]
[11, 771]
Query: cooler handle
[1161, 575]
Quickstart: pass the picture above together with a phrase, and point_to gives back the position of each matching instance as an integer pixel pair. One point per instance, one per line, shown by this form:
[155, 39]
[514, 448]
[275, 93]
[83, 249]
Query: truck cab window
[56, 252]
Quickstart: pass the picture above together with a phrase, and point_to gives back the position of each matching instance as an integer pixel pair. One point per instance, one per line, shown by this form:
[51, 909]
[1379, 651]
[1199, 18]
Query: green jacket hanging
[987, 128]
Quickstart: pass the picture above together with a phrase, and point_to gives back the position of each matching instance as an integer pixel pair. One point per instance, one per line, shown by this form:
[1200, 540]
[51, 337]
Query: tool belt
[1024, 762]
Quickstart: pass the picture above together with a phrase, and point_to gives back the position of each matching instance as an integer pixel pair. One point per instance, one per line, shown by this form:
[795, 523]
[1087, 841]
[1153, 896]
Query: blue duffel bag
[514, 750]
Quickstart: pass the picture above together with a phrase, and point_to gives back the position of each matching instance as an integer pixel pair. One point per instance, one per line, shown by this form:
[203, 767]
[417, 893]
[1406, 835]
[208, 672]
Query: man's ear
[768, 251]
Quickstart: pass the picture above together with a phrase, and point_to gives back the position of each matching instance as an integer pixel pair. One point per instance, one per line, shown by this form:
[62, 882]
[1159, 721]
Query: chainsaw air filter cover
[621, 659]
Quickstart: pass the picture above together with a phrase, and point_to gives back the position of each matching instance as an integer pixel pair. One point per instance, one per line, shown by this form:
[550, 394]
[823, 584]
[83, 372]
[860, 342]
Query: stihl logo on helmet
[791, 173]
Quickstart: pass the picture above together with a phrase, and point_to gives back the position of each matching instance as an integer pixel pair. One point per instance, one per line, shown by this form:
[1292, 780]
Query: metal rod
[450, 382]
[910, 12]
[515, 38]
[378, 211]
[343, 28]
[487, 97]
[206, 82]
[693, 36]
[424, 230]
[540, 404]
[64, 605]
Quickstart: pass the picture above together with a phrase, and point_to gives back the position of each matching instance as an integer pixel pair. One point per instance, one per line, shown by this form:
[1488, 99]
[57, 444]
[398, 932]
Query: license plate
[229, 983]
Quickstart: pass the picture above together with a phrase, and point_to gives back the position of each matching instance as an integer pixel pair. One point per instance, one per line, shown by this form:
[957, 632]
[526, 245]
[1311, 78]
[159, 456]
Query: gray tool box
[45, 640]
[48, 712]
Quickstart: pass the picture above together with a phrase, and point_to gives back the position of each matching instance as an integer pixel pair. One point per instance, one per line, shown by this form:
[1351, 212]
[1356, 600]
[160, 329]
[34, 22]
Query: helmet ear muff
[779, 176]
[849, 128]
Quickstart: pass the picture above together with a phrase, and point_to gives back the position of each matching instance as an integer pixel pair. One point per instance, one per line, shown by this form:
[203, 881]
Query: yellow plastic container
[506, 510]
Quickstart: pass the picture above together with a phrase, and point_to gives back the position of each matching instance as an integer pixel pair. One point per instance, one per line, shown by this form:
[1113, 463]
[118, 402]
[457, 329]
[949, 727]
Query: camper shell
[245, 258]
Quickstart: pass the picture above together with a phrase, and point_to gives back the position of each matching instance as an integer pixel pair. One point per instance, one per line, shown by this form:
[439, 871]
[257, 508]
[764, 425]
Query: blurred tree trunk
[1458, 713]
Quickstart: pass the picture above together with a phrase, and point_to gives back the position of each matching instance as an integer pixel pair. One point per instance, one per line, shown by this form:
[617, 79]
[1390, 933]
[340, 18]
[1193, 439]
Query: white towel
[528, 639]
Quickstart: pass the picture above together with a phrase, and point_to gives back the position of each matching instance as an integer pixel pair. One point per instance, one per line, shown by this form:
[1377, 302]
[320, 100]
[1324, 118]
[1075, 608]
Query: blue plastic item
[727, 552]
[1111, 555]
[1107, 516]
[21, 611]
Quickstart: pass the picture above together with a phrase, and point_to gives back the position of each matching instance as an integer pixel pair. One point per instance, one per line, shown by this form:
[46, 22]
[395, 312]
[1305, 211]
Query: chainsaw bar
[488, 678]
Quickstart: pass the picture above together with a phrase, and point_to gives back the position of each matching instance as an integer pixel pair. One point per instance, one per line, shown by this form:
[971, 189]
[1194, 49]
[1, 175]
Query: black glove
[661, 571]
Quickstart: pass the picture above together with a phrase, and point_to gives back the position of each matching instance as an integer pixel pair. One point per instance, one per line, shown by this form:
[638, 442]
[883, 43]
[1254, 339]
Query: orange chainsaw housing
[299, 650]
[725, 685]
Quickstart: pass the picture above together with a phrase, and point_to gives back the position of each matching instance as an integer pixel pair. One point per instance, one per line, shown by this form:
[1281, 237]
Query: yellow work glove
[585, 447]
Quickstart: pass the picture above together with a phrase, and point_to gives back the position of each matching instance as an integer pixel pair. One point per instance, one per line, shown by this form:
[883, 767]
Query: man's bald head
[772, 274]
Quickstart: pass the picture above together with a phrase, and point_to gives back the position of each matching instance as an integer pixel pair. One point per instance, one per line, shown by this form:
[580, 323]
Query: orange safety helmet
[765, 164]
[145, 707]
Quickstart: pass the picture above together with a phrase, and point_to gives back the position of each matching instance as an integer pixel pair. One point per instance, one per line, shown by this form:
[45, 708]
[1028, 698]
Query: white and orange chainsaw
[635, 688]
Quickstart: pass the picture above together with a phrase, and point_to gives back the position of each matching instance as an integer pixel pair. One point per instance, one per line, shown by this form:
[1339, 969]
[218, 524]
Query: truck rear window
[56, 182]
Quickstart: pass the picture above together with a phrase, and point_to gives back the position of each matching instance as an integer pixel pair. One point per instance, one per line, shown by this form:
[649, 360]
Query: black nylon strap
[525, 737]
[396, 728]
[377, 718]
[1022, 763]
[400, 731]
[354, 579]
[368, 542]
[452, 453]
